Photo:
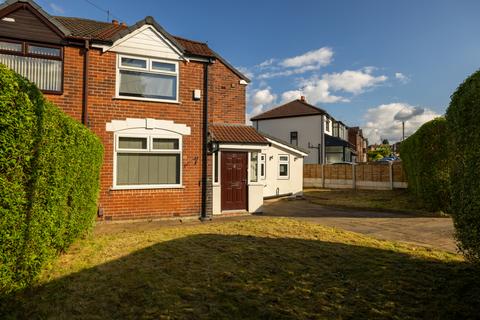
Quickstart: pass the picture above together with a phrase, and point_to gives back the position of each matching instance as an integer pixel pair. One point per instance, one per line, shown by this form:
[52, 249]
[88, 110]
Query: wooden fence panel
[367, 175]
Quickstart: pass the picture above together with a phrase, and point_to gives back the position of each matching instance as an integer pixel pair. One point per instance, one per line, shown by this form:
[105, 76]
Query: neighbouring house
[169, 111]
[356, 138]
[310, 128]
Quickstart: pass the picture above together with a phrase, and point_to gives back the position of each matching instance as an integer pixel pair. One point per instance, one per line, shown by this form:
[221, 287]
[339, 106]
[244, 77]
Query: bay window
[147, 78]
[148, 161]
[41, 64]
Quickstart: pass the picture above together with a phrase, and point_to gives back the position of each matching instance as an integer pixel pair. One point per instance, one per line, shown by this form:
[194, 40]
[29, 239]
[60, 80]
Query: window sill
[146, 187]
[146, 99]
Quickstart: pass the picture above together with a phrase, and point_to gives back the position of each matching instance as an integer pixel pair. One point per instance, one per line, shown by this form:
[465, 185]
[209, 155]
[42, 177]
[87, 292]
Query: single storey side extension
[249, 166]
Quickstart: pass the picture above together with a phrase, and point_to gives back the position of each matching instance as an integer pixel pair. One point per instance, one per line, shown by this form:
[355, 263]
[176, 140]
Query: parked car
[389, 159]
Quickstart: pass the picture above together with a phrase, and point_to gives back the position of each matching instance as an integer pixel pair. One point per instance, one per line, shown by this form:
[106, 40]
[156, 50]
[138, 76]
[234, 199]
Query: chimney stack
[302, 98]
[115, 22]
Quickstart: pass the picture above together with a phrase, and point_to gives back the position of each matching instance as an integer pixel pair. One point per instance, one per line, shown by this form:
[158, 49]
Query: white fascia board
[288, 148]
[246, 147]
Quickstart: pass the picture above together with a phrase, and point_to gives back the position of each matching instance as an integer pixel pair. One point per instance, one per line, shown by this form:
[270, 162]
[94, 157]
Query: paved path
[434, 232]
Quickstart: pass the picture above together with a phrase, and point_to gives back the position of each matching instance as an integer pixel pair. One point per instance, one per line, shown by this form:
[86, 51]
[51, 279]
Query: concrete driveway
[433, 232]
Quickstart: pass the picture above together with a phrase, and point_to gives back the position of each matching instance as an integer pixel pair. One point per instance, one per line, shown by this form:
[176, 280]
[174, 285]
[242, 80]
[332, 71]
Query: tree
[385, 141]
[463, 118]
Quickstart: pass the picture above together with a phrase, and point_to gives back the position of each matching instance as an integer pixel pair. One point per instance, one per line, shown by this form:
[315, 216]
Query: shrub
[425, 159]
[49, 180]
[463, 118]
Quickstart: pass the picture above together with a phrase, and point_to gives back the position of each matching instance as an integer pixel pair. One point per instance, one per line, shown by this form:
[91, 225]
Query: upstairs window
[41, 64]
[335, 132]
[294, 138]
[149, 79]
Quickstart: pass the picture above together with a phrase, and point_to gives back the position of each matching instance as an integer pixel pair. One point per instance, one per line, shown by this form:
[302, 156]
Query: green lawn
[256, 268]
[378, 200]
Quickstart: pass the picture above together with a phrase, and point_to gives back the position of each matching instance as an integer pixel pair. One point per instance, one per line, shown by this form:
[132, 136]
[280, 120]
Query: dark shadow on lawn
[309, 209]
[239, 277]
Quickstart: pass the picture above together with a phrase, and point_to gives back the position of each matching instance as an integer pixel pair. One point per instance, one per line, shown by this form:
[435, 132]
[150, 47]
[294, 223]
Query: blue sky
[362, 61]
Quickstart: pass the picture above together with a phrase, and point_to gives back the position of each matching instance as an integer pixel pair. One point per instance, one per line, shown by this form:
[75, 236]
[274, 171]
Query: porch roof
[236, 133]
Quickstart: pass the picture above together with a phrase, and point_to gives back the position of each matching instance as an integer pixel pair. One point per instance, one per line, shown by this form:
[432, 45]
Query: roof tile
[293, 108]
[236, 133]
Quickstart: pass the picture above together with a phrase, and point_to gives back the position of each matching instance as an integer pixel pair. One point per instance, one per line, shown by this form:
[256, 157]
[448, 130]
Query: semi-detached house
[169, 111]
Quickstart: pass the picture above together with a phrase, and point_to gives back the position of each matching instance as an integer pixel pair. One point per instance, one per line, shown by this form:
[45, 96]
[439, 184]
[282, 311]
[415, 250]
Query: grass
[376, 200]
[258, 268]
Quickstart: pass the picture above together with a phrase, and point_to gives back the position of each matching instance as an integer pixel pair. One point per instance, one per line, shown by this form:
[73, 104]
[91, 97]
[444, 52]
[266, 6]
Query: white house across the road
[309, 127]
[249, 166]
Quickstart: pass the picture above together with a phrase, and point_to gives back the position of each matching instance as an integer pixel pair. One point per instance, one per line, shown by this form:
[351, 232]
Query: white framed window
[283, 166]
[147, 161]
[42, 64]
[142, 78]
[263, 166]
[294, 138]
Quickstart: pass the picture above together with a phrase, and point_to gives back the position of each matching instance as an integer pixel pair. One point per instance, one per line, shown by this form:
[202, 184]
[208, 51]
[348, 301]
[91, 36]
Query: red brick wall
[71, 99]
[226, 95]
[227, 104]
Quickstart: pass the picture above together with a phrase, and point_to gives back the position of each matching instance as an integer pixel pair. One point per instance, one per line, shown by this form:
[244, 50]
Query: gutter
[85, 119]
[203, 213]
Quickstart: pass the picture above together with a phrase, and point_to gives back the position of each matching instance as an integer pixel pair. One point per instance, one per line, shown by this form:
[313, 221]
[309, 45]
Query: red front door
[234, 180]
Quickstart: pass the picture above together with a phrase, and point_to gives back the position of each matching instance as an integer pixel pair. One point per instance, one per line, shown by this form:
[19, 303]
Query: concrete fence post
[391, 175]
[354, 177]
[323, 176]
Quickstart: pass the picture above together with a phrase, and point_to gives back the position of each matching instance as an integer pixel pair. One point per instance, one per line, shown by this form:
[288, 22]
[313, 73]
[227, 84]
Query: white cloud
[262, 97]
[401, 77]
[56, 8]
[309, 61]
[259, 100]
[380, 123]
[319, 90]
[246, 71]
[320, 57]
[267, 63]
[288, 72]
[354, 82]
[316, 91]
[291, 95]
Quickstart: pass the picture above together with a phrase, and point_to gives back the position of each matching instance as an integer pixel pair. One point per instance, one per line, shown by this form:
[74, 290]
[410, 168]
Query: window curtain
[45, 73]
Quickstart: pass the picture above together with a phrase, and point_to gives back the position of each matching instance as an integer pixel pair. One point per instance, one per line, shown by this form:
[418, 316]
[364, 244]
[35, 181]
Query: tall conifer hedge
[463, 119]
[425, 160]
[49, 180]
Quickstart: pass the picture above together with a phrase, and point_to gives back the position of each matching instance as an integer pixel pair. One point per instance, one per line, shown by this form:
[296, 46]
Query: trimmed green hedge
[425, 159]
[463, 117]
[49, 180]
